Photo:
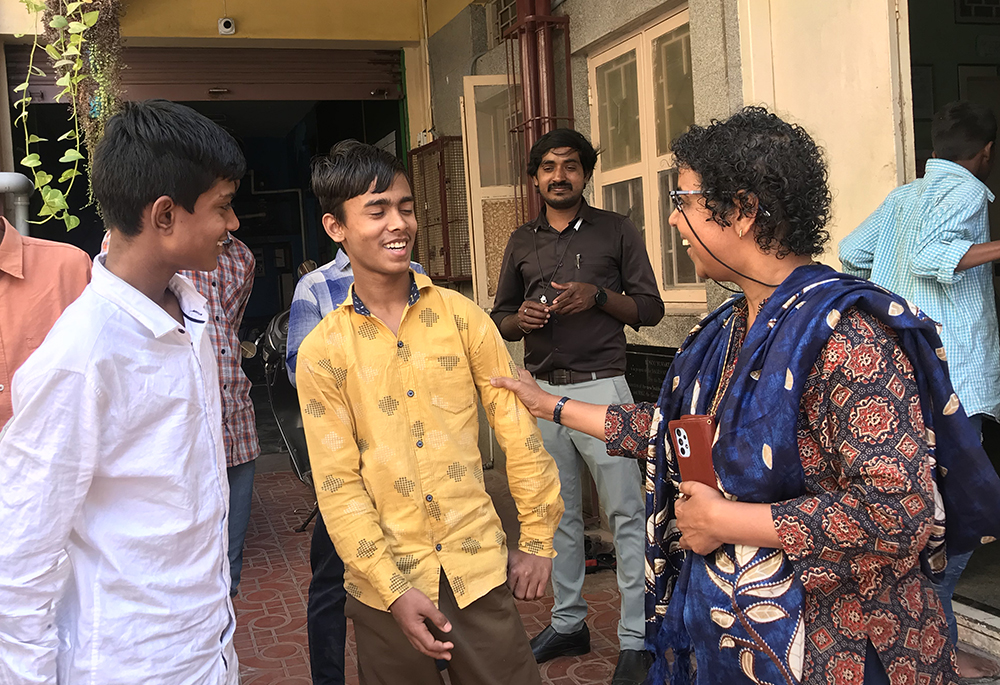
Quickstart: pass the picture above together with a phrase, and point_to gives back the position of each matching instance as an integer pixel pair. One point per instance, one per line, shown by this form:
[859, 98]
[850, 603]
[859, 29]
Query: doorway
[955, 56]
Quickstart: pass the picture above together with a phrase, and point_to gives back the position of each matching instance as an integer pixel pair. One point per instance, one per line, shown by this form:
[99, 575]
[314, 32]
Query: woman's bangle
[557, 412]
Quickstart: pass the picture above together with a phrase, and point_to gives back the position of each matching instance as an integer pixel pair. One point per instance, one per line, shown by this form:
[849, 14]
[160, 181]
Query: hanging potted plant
[81, 43]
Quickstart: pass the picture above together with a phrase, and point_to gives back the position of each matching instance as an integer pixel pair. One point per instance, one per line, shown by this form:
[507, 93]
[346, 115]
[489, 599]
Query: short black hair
[349, 170]
[961, 129]
[755, 160]
[159, 148]
[562, 137]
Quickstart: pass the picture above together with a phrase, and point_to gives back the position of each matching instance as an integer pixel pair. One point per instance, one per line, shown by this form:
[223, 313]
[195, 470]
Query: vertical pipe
[19, 187]
[529, 85]
[570, 106]
[21, 206]
[443, 198]
[529, 66]
[547, 70]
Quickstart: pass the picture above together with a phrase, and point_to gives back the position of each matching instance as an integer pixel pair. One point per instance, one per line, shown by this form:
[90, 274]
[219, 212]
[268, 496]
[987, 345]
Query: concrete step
[978, 629]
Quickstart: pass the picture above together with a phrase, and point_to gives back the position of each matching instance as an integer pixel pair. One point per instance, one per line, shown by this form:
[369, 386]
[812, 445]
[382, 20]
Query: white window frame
[679, 299]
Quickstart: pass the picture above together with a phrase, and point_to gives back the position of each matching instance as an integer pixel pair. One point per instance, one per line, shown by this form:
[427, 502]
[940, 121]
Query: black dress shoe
[632, 667]
[549, 644]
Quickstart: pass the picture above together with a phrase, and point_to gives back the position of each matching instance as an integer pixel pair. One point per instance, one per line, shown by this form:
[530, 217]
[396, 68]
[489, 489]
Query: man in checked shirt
[227, 290]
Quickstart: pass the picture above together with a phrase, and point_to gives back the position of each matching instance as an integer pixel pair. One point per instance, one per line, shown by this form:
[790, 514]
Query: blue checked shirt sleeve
[304, 316]
[857, 250]
[946, 235]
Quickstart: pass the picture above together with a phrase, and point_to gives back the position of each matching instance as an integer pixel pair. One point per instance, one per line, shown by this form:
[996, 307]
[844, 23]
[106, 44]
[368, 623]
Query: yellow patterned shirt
[393, 430]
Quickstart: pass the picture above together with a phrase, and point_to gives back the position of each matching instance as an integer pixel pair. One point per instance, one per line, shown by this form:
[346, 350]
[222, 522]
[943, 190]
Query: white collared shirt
[114, 500]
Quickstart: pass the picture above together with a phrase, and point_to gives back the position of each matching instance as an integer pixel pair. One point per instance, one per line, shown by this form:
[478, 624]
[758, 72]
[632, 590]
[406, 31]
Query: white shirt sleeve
[48, 452]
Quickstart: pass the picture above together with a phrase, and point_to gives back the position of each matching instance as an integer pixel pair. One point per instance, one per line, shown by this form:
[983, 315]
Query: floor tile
[271, 638]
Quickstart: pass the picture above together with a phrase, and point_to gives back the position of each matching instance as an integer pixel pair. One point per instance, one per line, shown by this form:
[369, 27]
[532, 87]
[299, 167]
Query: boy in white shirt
[113, 491]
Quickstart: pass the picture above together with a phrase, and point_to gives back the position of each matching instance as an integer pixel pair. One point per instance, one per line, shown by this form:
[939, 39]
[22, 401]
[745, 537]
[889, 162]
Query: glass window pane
[493, 124]
[618, 111]
[626, 198]
[673, 90]
[678, 269]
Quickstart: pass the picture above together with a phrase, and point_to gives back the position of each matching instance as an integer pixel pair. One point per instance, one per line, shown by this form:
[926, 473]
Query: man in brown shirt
[38, 280]
[571, 279]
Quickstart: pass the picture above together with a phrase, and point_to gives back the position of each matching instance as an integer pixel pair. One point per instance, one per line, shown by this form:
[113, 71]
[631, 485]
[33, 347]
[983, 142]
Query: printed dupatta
[741, 608]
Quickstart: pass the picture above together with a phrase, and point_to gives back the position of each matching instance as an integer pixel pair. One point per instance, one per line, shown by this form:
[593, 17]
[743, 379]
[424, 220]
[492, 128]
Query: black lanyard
[548, 281]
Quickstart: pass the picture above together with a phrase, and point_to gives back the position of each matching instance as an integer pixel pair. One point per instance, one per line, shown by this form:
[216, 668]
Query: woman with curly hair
[839, 445]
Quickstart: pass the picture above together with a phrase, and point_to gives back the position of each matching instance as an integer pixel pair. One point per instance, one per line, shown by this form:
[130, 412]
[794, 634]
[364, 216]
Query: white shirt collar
[144, 310]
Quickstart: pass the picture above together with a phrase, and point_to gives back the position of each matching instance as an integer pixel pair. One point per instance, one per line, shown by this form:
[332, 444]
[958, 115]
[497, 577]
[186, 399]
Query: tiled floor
[271, 607]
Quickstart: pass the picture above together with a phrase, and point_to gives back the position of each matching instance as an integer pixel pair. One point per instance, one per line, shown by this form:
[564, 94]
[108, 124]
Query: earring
[740, 233]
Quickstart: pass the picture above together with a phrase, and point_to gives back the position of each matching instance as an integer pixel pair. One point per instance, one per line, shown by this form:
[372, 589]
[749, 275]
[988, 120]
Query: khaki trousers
[491, 647]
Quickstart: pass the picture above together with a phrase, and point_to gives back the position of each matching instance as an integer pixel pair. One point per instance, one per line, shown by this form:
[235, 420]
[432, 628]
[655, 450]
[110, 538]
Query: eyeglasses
[677, 201]
[677, 198]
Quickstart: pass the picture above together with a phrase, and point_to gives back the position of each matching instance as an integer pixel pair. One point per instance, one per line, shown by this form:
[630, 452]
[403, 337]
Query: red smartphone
[692, 436]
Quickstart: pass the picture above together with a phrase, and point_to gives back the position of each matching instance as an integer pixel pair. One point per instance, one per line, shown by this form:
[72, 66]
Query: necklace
[548, 281]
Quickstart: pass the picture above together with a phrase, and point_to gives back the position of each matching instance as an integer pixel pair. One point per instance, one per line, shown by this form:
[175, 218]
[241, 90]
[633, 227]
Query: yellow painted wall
[395, 22]
[835, 68]
[440, 12]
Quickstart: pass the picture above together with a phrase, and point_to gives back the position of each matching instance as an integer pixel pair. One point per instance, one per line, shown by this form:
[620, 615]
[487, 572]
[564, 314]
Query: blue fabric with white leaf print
[740, 609]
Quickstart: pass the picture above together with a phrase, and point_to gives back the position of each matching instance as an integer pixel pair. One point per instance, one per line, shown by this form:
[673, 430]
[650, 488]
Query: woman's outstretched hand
[538, 402]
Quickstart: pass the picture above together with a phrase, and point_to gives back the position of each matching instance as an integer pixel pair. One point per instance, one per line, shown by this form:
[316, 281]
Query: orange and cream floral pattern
[392, 427]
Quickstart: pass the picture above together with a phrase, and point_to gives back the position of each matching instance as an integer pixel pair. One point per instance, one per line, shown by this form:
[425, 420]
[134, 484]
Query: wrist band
[557, 412]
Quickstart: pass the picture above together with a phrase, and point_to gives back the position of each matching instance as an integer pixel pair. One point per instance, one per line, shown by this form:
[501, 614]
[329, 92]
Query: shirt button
[1, 387]
[181, 331]
[224, 386]
[216, 318]
[409, 393]
[399, 343]
[438, 547]
[214, 285]
[223, 351]
[430, 498]
[420, 443]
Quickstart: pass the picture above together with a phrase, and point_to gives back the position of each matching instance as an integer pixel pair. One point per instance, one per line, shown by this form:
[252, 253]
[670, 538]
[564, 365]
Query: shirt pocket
[450, 382]
[596, 268]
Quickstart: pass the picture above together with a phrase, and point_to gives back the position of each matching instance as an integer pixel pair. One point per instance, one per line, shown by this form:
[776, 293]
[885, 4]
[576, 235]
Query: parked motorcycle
[284, 400]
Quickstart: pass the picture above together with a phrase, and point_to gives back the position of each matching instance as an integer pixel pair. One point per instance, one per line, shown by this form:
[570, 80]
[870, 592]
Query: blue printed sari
[740, 609]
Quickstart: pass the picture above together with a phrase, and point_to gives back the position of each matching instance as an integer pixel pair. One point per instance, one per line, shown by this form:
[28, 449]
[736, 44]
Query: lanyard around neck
[575, 227]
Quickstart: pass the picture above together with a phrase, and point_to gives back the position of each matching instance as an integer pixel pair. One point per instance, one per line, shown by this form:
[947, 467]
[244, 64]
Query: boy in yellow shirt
[388, 383]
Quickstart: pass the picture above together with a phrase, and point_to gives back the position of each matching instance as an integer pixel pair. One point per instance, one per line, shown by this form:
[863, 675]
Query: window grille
[439, 194]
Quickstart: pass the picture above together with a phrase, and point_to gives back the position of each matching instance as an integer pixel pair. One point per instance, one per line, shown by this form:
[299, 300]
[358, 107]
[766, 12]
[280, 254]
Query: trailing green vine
[87, 73]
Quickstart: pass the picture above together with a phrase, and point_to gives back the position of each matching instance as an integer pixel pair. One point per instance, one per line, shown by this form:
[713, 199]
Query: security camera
[227, 26]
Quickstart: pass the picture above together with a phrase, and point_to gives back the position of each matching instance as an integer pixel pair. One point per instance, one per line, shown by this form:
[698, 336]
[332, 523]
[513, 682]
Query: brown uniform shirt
[598, 247]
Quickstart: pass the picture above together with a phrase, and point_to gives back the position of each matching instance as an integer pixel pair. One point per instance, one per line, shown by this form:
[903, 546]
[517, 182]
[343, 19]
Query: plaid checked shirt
[317, 294]
[911, 245]
[227, 290]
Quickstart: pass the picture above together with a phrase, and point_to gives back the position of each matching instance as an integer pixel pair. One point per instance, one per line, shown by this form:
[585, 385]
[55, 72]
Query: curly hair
[755, 162]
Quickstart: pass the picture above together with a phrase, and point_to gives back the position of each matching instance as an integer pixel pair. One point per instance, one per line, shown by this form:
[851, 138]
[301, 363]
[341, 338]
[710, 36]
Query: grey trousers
[620, 489]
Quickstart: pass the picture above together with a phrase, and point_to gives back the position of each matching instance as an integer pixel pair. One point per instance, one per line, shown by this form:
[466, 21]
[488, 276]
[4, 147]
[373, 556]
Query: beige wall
[418, 93]
[835, 68]
[396, 22]
[14, 19]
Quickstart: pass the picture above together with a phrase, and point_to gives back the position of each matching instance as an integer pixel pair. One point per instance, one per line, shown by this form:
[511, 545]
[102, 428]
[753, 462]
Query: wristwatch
[601, 297]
